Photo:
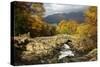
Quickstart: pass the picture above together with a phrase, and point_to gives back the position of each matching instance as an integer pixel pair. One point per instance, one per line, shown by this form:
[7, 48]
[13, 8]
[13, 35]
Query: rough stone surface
[47, 49]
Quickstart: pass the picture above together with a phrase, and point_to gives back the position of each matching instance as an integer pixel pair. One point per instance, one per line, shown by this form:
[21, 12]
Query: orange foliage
[68, 27]
[38, 27]
[86, 29]
[91, 15]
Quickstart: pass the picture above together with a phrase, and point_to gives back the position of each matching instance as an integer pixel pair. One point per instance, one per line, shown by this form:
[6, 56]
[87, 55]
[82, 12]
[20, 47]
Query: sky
[61, 8]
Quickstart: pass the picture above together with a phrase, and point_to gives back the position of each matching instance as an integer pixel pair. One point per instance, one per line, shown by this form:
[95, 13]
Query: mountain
[56, 18]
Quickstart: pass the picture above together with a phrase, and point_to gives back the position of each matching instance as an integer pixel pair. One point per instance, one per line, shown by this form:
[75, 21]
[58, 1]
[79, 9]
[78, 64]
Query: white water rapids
[66, 52]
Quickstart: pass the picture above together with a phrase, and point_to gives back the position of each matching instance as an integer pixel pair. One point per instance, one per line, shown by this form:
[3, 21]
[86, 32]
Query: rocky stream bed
[60, 48]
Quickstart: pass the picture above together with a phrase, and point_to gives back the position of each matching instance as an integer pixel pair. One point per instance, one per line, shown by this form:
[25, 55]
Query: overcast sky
[61, 8]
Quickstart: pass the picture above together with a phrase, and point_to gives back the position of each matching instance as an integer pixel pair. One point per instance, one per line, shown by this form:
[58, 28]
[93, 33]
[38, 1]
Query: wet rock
[91, 56]
[40, 50]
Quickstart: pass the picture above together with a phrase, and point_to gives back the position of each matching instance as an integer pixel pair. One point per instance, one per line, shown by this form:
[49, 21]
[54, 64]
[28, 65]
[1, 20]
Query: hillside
[56, 18]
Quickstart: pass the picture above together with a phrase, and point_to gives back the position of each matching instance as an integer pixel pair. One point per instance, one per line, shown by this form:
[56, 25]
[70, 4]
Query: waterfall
[66, 51]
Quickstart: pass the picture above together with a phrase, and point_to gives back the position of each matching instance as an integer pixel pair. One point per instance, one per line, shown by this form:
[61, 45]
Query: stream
[65, 51]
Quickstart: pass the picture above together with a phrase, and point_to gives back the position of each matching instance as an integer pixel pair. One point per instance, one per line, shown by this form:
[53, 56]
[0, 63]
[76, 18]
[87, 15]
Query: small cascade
[65, 51]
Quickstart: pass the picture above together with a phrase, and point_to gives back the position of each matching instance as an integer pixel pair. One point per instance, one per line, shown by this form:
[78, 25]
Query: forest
[37, 41]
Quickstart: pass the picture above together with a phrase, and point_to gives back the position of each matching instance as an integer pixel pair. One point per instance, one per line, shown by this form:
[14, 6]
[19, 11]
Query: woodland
[38, 42]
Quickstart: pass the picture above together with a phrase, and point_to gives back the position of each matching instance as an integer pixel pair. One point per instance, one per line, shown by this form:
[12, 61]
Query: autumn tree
[67, 26]
[86, 29]
[28, 17]
[88, 35]
[91, 15]
[38, 9]
[89, 27]
[38, 27]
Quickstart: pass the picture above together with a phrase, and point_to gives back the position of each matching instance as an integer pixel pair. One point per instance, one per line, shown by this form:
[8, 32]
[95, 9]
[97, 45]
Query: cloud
[61, 8]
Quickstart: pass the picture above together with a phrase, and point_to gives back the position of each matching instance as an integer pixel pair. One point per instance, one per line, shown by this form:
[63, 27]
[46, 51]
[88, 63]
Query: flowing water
[66, 51]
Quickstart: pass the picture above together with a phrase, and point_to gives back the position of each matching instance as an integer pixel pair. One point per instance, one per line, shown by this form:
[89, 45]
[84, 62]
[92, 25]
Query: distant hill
[56, 18]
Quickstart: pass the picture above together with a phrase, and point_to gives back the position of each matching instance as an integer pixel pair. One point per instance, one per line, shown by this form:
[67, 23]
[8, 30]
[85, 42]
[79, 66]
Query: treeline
[88, 27]
[85, 32]
[29, 18]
